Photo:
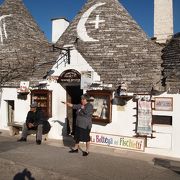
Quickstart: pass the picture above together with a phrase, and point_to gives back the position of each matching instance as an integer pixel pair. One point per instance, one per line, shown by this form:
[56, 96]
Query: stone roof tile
[171, 64]
[23, 47]
[115, 46]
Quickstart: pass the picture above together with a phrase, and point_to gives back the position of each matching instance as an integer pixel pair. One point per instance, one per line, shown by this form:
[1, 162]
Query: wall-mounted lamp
[66, 54]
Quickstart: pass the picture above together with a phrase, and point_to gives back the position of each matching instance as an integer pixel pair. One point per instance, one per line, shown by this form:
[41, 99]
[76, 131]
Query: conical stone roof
[115, 46]
[22, 44]
[171, 64]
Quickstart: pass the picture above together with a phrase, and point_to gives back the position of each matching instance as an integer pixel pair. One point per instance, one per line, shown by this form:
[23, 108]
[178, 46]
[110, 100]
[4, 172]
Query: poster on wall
[86, 79]
[144, 125]
[163, 104]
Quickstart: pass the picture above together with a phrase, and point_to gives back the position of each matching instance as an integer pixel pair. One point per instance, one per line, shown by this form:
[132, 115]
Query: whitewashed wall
[167, 136]
[176, 126]
[58, 123]
[122, 121]
[58, 120]
[21, 107]
[77, 62]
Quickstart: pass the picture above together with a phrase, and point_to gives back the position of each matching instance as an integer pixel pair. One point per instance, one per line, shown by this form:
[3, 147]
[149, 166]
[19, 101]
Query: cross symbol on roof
[97, 21]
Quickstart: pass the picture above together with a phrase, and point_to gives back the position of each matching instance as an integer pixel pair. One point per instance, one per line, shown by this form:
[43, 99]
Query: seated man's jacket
[35, 118]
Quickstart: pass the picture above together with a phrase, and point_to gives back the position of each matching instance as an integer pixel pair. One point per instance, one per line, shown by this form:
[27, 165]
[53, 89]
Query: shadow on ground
[8, 145]
[168, 163]
[24, 175]
[68, 140]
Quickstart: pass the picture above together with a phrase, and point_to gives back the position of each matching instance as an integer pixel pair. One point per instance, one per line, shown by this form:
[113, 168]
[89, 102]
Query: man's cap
[85, 96]
[33, 105]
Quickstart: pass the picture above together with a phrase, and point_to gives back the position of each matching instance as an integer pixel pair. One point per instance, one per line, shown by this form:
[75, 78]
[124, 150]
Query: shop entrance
[73, 96]
[70, 79]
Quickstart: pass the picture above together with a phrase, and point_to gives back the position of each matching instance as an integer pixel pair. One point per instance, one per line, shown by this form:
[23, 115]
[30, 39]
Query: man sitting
[35, 120]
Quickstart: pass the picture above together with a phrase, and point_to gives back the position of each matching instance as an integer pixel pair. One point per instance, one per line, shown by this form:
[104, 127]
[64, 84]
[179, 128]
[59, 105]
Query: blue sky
[141, 10]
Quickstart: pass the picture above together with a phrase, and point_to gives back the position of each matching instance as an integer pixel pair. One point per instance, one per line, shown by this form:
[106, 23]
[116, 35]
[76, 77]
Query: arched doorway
[70, 80]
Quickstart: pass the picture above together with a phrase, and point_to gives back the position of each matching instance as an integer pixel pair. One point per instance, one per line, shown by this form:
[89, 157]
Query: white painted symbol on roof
[97, 21]
[81, 28]
[3, 28]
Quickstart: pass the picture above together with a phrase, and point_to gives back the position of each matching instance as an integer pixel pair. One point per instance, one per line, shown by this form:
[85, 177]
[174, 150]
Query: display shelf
[102, 103]
[44, 100]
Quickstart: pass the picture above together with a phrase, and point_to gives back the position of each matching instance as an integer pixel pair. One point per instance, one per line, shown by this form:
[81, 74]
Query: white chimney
[59, 25]
[163, 20]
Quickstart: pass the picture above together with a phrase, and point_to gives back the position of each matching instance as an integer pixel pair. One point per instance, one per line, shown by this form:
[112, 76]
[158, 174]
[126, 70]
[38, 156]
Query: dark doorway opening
[10, 109]
[73, 96]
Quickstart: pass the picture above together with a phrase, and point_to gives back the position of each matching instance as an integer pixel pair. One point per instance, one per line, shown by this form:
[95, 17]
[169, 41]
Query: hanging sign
[86, 79]
[70, 76]
[144, 126]
[24, 87]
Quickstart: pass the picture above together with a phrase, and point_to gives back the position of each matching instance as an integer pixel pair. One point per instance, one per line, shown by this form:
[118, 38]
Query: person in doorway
[34, 121]
[84, 113]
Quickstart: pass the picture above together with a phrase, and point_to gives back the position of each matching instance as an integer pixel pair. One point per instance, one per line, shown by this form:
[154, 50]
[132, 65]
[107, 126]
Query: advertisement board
[124, 142]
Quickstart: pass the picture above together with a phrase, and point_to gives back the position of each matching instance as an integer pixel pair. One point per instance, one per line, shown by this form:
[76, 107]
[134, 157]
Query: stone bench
[16, 127]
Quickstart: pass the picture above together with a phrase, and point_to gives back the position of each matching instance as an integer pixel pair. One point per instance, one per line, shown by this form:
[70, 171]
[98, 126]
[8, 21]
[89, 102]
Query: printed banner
[132, 143]
[86, 79]
[144, 126]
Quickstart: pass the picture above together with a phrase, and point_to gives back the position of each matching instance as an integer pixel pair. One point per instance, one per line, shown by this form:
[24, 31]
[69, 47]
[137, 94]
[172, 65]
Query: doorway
[10, 109]
[73, 96]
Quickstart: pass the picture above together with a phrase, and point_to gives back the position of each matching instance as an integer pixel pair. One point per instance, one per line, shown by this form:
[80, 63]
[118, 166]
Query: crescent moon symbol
[81, 29]
[3, 16]
[3, 27]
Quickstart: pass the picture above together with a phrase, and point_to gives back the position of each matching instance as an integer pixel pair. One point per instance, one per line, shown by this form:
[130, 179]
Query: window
[44, 100]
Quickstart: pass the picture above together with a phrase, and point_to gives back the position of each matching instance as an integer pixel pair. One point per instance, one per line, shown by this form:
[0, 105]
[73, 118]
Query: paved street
[51, 161]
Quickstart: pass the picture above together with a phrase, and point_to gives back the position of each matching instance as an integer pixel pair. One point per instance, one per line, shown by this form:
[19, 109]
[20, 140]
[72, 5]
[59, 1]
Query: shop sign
[131, 143]
[163, 104]
[70, 76]
[144, 125]
[24, 87]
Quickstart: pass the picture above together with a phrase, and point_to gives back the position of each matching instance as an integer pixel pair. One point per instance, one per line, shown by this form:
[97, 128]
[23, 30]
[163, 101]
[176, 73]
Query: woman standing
[84, 113]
